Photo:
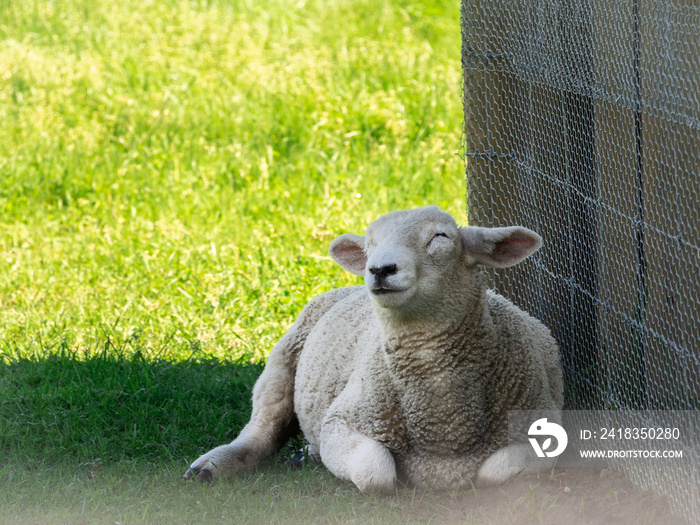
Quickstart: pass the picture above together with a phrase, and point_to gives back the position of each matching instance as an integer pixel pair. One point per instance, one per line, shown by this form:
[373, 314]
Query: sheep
[410, 377]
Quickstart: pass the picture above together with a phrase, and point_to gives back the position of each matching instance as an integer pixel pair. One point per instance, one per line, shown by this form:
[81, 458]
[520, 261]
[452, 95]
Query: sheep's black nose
[383, 271]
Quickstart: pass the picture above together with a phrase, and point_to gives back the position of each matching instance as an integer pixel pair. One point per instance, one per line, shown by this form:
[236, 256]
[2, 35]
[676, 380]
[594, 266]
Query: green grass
[148, 493]
[111, 406]
[171, 174]
[177, 169]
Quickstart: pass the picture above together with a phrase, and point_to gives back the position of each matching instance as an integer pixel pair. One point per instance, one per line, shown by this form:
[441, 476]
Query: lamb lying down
[410, 376]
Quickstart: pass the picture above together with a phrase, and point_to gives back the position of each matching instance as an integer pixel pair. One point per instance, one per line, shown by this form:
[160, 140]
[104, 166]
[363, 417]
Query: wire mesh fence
[582, 122]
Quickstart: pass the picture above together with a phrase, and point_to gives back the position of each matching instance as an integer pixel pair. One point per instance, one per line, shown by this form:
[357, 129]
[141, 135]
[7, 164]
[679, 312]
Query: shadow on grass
[112, 405]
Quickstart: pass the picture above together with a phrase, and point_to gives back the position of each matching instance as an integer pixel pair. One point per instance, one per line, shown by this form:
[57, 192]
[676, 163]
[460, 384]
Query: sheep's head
[412, 259]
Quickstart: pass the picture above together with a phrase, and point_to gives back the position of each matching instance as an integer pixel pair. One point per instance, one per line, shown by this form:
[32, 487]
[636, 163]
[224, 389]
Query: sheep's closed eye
[437, 237]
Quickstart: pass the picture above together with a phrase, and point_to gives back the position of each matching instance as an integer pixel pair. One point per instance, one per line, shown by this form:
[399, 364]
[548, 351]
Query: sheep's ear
[499, 247]
[348, 251]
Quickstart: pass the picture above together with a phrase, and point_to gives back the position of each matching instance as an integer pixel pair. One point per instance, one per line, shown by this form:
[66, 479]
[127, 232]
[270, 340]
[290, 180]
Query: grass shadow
[114, 405]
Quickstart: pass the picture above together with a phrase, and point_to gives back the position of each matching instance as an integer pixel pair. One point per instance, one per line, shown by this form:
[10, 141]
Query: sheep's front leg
[239, 456]
[504, 464]
[271, 423]
[358, 458]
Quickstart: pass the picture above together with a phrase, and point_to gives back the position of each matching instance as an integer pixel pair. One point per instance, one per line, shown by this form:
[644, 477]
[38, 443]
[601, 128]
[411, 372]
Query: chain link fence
[582, 122]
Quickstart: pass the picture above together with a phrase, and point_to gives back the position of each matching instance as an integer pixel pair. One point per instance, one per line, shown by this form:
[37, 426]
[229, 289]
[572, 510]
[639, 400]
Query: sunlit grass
[177, 169]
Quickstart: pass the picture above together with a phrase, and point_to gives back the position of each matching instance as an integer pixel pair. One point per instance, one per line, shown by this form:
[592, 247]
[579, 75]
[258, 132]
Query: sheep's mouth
[384, 291]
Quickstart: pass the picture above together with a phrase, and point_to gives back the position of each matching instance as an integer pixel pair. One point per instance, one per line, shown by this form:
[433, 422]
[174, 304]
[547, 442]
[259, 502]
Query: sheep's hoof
[297, 460]
[202, 474]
